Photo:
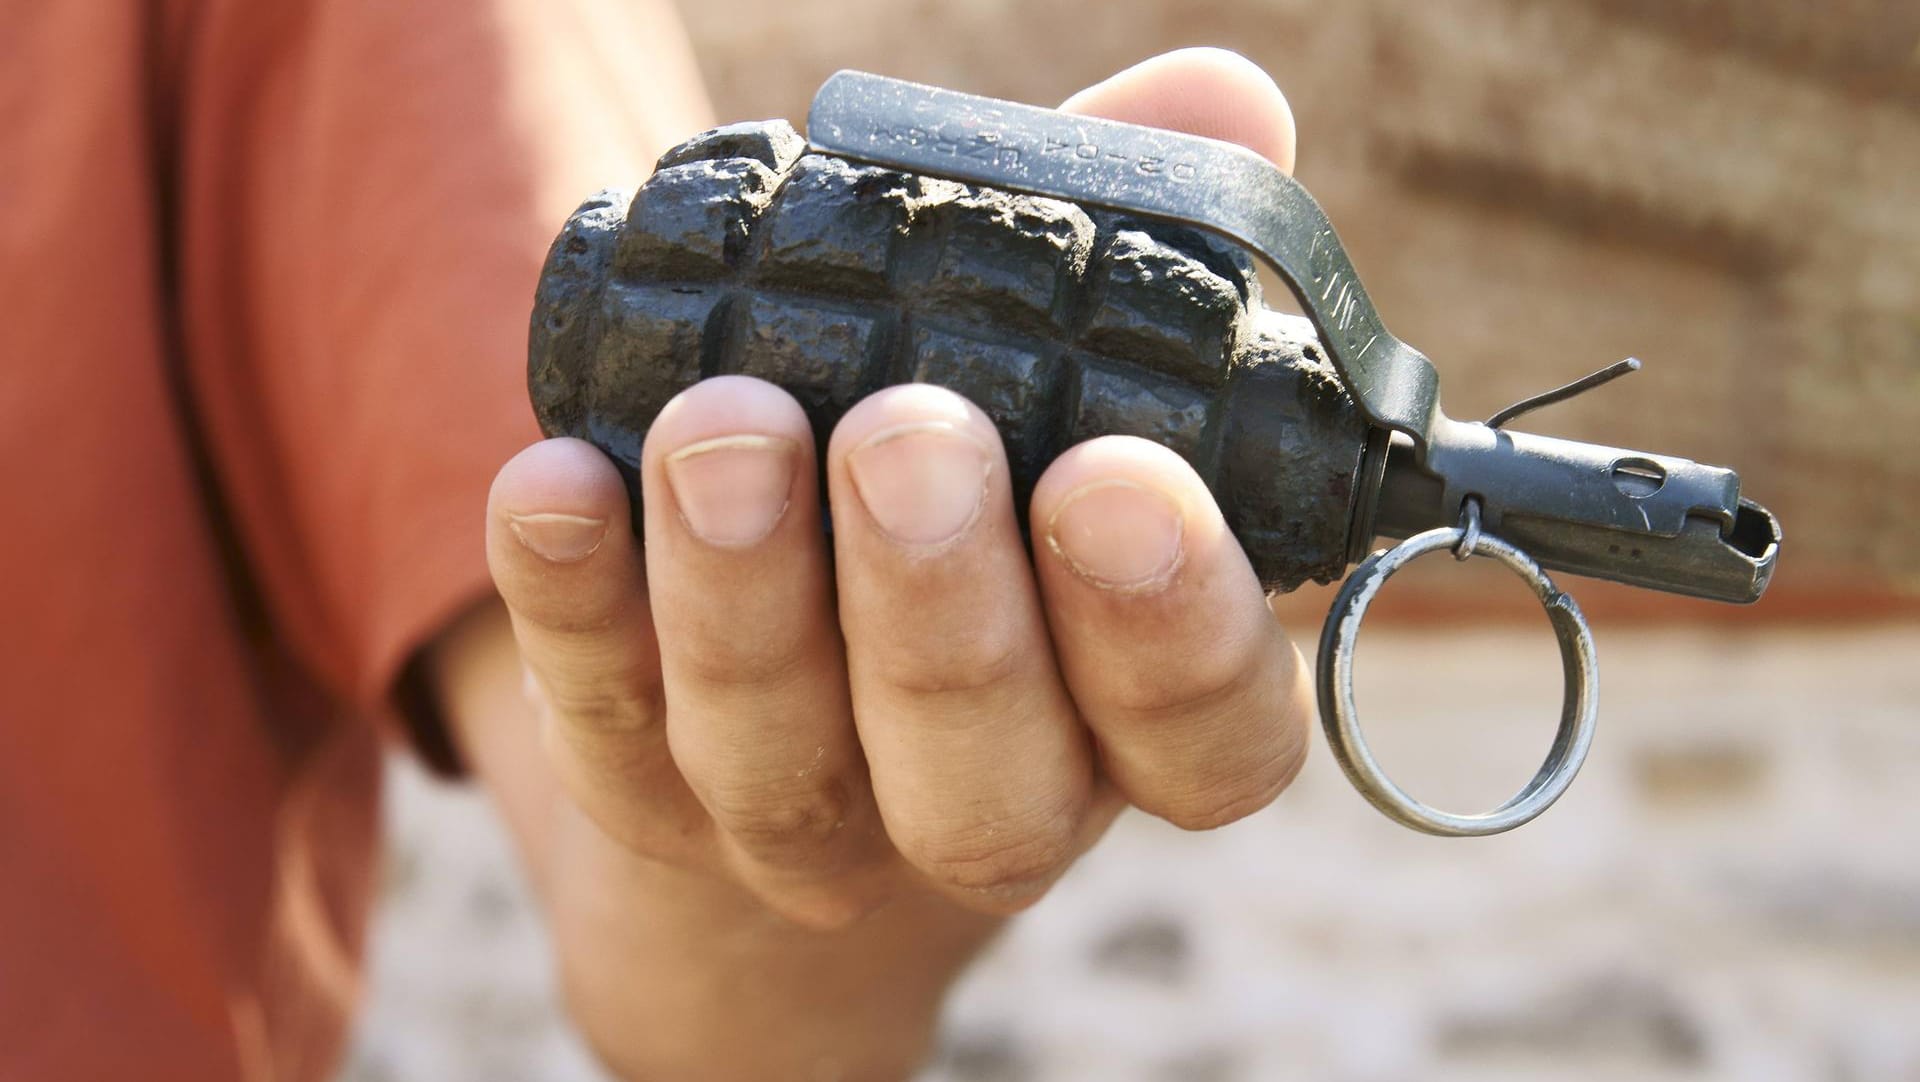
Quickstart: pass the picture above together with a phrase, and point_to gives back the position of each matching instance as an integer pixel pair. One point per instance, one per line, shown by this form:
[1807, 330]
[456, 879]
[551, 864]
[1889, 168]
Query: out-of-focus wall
[1728, 190]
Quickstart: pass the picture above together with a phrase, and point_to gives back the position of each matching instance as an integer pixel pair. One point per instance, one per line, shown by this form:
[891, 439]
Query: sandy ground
[1731, 891]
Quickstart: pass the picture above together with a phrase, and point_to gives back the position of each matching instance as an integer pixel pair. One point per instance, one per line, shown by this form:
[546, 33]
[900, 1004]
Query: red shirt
[265, 269]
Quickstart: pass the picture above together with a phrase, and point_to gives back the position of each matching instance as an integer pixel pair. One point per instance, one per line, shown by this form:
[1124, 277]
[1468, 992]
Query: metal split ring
[1578, 712]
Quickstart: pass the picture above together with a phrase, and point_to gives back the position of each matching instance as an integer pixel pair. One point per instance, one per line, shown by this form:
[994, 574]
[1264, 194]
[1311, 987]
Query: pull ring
[1579, 707]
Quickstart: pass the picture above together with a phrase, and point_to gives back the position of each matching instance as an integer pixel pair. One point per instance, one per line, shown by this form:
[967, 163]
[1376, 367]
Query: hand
[793, 788]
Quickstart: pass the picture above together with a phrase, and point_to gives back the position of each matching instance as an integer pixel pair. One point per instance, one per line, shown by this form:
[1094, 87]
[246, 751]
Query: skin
[773, 797]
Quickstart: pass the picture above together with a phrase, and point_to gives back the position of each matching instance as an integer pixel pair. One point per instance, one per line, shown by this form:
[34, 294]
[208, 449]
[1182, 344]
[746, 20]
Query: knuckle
[565, 611]
[1215, 807]
[600, 684]
[783, 824]
[1291, 753]
[1194, 686]
[954, 666]
[623, 706]
[744, 663]
[567, 619]
[1228, 789]
[1011, 860]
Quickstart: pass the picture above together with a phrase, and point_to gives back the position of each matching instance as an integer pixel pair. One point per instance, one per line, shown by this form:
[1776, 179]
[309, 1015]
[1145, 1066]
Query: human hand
[848, 763]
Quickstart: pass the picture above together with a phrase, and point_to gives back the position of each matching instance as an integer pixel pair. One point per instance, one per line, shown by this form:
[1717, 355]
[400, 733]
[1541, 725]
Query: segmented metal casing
[744, 253]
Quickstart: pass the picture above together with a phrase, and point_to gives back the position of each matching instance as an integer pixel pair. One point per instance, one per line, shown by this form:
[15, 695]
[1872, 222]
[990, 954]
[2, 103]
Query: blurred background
[1728, 190]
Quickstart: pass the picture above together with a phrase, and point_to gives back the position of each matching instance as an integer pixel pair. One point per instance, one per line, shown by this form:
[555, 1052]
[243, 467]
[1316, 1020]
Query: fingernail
[563, 539]
[732, 490]
[1119, 535]
[923, 483]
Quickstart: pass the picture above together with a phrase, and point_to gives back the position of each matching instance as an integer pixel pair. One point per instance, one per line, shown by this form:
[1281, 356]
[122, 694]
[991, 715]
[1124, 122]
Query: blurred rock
[1618, 1019]
[1149, 947]
[989, 1056]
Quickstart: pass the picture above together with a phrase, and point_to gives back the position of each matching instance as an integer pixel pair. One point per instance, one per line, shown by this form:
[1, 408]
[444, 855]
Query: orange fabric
[264, 276]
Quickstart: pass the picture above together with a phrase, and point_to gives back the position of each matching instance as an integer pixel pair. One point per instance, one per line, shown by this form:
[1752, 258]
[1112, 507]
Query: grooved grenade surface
[746, 254]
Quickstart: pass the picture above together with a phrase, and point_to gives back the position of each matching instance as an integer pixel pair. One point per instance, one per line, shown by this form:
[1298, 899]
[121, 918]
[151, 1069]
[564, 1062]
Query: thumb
[1208, 92]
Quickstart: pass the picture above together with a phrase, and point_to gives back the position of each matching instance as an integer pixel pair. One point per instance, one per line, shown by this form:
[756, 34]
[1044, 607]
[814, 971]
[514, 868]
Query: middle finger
[981, 768]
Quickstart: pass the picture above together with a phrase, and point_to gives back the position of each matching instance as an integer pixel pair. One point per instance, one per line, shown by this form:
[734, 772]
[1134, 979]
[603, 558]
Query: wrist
[672, 974]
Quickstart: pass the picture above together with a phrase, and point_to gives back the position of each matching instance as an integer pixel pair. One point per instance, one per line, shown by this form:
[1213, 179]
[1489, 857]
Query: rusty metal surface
[832, 279]
[1127, 167]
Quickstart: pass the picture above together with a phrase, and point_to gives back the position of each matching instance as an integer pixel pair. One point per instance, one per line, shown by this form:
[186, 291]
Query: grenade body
[747, 254]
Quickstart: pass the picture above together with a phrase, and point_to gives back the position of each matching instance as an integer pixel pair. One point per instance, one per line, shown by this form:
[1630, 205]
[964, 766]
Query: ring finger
[758, 717]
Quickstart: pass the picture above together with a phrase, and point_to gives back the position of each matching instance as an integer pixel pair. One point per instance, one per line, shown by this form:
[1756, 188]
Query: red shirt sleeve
[365, 193]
